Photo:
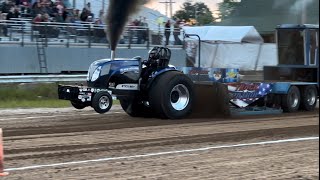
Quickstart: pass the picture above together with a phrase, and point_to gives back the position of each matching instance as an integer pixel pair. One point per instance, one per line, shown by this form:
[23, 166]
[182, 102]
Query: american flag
[239, 98]
[264, 89]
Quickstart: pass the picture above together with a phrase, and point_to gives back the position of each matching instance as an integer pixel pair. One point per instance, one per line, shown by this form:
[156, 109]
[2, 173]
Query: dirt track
[48, 137]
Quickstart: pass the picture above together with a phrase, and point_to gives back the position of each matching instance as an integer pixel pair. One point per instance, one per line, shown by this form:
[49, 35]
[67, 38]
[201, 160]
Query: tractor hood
[100, 71]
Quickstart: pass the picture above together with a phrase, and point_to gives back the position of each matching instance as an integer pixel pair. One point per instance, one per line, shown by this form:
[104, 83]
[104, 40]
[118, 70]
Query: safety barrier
[42, 78]
[24, 32]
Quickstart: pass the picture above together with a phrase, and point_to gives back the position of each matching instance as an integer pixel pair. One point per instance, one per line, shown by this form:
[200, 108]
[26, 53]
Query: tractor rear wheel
[135, 108]
[171, 95]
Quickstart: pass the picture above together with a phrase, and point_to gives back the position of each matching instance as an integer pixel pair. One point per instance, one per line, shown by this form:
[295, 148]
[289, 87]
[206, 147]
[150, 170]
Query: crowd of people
[60, 11]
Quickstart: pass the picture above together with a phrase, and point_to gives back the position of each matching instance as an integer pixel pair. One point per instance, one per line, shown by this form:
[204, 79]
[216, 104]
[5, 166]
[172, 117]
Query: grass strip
[48, 103]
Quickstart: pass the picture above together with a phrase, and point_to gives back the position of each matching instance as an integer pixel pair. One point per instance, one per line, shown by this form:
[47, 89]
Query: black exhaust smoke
[118, 14]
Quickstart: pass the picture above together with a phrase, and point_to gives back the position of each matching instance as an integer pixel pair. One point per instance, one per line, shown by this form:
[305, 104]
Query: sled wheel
[102, 102]
[78, 105]
[135, 108]
[292, 100]
[171, 95]
[309, 96]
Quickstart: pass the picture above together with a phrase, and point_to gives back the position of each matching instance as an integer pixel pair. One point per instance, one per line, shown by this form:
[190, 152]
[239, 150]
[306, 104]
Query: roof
[237, 34]
[298, 26]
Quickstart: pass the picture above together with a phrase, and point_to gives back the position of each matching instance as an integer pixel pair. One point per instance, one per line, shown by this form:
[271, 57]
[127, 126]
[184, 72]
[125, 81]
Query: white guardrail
[42, 78]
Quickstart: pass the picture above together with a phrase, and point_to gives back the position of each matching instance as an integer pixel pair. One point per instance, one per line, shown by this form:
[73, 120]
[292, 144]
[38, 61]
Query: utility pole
[168, 5]
[103, 5]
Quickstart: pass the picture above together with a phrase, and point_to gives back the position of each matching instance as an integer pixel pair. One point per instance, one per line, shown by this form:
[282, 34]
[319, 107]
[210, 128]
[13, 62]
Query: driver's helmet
[153, 53]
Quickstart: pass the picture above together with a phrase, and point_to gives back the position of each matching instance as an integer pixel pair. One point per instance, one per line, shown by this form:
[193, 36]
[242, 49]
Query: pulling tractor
[153, 88]
[145, 88]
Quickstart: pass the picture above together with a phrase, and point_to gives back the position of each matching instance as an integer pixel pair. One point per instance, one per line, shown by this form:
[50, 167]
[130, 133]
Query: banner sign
[244, 94]
[222, 75]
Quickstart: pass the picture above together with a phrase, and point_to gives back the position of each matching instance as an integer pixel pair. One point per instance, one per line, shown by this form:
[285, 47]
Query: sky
[153, 4]
[156, 5]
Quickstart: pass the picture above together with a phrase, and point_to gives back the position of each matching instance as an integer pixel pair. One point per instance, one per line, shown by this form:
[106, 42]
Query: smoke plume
[298, 7]
[117, 17]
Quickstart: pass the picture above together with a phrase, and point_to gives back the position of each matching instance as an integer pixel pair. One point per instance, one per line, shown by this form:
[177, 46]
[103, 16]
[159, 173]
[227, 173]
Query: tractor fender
[158, 74]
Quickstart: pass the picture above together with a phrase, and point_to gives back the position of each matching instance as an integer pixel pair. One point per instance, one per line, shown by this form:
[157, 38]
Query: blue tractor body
[138, 84]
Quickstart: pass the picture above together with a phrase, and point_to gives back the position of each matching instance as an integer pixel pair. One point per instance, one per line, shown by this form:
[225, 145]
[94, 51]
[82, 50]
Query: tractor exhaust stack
[113, 54]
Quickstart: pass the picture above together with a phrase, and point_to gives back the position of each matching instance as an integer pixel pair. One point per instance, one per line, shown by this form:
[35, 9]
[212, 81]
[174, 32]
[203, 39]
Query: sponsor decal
[127, 87]
[129, 69]
[244, 94]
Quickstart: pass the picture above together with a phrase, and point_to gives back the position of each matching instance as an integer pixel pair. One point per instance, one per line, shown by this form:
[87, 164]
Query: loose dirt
[46, 136]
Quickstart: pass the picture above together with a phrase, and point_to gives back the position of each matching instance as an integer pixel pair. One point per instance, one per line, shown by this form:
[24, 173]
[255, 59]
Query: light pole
[103, 4]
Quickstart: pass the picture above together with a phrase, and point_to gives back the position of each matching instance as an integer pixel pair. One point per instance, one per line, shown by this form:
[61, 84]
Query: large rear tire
[171, 95]
[291, 101]
[102, 102]
[309, 96]
[135, 108]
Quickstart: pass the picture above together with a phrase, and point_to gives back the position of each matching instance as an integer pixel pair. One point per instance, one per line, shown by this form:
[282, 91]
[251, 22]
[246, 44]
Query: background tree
[226, 8]
[195, 14]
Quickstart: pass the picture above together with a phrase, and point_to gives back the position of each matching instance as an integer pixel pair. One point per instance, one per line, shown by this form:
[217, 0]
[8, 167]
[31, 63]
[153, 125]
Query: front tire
[171, 95]
[291, 101]
[102, 102]
[309, 96]
[78, 105]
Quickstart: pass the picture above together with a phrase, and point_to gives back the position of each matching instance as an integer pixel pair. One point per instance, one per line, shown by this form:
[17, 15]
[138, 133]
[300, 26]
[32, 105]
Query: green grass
[30, 96]
[50, 103]
[43, 95]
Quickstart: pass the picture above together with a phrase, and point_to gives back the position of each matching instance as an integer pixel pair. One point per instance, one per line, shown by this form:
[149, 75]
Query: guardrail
[42, 78]
[80, 33]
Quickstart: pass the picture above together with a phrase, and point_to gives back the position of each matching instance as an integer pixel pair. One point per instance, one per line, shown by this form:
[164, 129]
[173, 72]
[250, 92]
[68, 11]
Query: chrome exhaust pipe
[113, 54]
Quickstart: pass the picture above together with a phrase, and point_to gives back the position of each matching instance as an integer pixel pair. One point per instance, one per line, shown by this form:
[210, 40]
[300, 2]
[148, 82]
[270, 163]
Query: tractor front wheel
[102, 102]
[78, 105]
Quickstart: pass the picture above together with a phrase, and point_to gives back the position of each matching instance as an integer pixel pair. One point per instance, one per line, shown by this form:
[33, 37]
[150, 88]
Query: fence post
[148, 38]
[89, 36]
[130, 38]
[22, 35]
[46, 35]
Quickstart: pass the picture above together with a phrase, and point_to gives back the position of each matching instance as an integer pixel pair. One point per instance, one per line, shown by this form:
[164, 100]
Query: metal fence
[23, 32]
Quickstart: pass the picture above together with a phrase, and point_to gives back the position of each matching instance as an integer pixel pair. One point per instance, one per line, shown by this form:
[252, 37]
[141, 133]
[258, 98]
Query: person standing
[176, 33]
[167, 31]
[2, 23]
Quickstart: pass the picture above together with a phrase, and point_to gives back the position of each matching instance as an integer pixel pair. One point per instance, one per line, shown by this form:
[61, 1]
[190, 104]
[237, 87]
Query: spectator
[84, 15]
[167, 31]
[36, 23]
[37, 19]
[6, 6]
[13, 13]
[144, 29]
[176, 33]
[25, 6]
[3, 24]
